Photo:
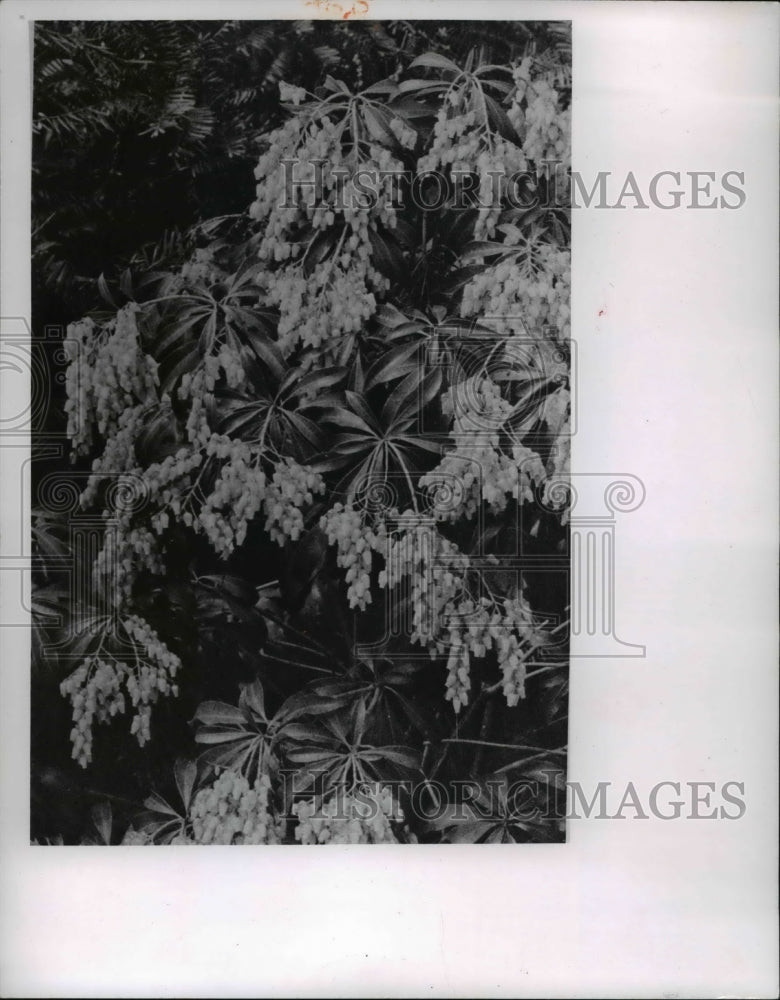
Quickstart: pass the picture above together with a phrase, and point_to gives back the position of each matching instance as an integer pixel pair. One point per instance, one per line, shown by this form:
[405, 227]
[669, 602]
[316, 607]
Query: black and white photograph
[301, 555]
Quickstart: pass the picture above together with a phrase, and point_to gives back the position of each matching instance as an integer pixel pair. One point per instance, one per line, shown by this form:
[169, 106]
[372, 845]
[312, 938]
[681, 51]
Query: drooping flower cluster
[235, 498]
[198, 386]
[511, 655]
[213, 484]
[108, 377]
[536, 113]
[231, 811]
[113, 384]
[128, 549]
[356, 540]
[465, 143]
[310, 179]
[524, 296]
[364, 817]
[469, 623]
[474, 627]
[403, 132]
[118, 455]
[480, 470]
[291, 488]
[166, 490]
[429, 571]
[317, 308]
[222, 511]
[311, 175]
[97, 689]
[94, 690]
[547, 137]
[432, 575]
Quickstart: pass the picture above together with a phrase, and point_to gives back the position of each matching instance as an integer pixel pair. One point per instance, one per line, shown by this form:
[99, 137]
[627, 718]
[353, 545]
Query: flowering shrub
[313, 447]
[97, 687]
[231, 812]
[365, 820]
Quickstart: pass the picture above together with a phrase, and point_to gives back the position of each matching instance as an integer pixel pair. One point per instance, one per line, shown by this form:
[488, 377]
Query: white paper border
[678, 384]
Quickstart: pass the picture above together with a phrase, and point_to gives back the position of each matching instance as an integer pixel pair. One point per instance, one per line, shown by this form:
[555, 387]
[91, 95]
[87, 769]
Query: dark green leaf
[185, 773]
[435, 61]
[218, 713]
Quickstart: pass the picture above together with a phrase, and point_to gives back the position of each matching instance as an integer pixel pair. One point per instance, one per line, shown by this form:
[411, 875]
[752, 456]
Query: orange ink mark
[326, 7]
[353, 9]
